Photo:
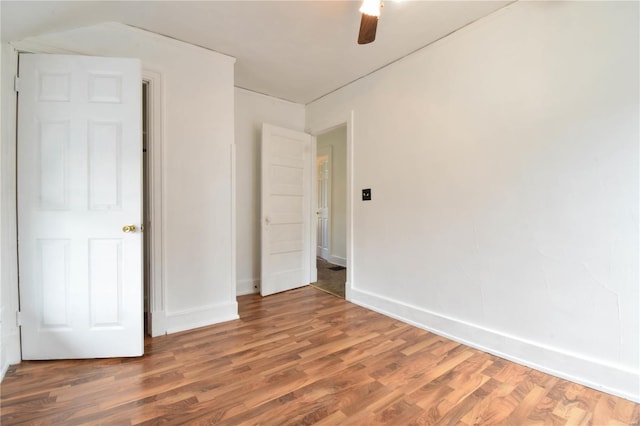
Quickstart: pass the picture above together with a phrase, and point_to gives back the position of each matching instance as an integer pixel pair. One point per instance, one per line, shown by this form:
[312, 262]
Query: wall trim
[37, 46]
[11, 353]
[157, 286]
[158, 323]
[234, 234]
[200, 317]
[337, 260]
[250, 286]
[593, 373]
[265, 96]
[3, 370]
[313, 208]
[163, 38]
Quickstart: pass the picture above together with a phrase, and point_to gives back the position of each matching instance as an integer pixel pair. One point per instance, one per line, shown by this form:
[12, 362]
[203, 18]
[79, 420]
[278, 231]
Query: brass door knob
[129, 228]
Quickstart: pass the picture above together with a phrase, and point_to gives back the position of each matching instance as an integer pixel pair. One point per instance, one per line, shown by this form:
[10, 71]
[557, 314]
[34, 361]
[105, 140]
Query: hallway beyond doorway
[331, 278]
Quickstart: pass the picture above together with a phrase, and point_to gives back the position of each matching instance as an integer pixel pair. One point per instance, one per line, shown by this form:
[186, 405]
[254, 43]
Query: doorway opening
[331, 211]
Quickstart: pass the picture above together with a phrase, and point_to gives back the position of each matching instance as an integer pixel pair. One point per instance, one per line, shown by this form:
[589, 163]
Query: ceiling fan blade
[368, 27]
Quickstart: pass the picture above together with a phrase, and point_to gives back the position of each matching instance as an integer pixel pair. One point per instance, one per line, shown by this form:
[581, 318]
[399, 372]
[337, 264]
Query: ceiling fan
[370, 10]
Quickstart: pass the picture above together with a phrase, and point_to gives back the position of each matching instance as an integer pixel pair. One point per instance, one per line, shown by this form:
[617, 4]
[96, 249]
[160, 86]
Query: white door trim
[323, 127]
[313, 264]
[10, 304]
[156, 250]
[157, 288]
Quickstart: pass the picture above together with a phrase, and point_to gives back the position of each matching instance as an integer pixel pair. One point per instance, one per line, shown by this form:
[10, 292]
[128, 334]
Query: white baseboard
[158, 324]
[3, 370]
[11, 353]
[193, 318]
[337, 260]
[577, 368]
[247, 287]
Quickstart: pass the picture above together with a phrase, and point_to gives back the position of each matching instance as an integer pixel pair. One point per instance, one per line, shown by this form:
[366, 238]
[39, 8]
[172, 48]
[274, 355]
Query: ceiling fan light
[371, 7]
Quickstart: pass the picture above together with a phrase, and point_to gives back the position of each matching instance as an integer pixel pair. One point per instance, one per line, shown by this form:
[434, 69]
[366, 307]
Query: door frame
[338, 120]
[157, 323]
[155, 183]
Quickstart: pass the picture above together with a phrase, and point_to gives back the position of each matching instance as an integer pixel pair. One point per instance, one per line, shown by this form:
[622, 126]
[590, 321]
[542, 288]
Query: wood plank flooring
[302, 357]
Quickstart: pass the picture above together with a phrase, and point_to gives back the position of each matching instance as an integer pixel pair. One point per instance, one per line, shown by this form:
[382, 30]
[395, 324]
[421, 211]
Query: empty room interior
[331, 212]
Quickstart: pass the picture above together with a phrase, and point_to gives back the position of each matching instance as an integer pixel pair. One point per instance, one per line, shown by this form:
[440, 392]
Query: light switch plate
[366, 194]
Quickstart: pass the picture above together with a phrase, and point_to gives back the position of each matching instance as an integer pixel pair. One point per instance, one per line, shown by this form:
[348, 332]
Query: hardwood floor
[302, 357]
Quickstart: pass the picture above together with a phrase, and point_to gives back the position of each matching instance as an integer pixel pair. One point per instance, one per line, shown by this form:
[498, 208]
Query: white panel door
[286, 209]
[323, 165]
[79, 207]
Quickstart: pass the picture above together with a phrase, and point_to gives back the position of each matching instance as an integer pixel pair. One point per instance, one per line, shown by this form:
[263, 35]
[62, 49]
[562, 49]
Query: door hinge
[16, 84]
[18, 319]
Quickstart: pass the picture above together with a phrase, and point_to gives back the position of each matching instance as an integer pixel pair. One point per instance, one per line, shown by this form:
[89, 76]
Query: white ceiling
[294, 50]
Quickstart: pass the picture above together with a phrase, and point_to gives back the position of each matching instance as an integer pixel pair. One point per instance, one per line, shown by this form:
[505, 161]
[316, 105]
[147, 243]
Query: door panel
[79, 183]
[323, 165]
[286, 209]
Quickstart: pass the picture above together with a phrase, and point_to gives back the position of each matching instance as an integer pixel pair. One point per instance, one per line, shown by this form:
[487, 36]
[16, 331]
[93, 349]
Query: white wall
[251, 110]
[337, 140]
[503, 162]
[197, 262]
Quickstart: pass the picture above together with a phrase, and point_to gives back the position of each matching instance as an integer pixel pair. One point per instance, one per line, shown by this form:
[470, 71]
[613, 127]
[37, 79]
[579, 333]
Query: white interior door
[79, 207]
[286, 209]
[323, 165]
